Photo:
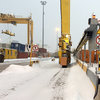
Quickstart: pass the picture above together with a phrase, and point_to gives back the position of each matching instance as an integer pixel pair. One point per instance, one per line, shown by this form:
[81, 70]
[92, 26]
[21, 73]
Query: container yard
[49, 50]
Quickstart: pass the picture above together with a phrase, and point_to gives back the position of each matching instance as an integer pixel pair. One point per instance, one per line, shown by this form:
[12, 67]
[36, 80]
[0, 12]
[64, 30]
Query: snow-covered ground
[45, 81]
[10, 61]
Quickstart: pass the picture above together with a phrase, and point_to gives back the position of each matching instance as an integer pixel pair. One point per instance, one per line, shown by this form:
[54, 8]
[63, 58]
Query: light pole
[57, 31]
[43, 3]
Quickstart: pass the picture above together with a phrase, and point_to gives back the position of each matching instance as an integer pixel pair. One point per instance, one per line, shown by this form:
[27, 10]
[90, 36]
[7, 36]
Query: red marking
[35, 48]
[98, 39]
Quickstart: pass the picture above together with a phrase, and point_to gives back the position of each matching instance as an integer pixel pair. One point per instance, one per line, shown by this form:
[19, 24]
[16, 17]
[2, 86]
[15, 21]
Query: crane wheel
[1, 58]
[64, 66]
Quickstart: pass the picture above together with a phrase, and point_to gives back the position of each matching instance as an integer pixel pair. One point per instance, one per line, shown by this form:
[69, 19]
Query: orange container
[96, 56]
[86, 59]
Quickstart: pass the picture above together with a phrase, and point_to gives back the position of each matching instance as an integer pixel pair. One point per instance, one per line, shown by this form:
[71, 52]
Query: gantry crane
[8, 18]
[65, 39]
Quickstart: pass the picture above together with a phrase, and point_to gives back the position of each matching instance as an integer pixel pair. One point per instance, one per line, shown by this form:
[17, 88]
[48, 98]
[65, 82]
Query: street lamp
[57, 31]
[43, 3]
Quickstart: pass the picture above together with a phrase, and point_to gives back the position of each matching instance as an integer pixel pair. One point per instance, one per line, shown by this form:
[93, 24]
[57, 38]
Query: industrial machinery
[11, 19]
[65, 39]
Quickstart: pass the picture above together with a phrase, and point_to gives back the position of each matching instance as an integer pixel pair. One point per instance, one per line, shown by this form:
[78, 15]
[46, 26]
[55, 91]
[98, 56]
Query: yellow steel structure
[65, 39]
[98, 32]
[8, 33]
[8, 18]
[65, 17]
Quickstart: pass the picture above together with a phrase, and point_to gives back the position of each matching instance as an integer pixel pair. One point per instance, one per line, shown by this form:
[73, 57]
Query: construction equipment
[65, 39]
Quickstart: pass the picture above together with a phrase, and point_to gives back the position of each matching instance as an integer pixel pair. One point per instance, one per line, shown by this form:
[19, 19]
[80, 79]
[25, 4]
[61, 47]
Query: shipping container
[42, 50]
[22, 55]
[86, 57]
[10, 53]
[34, 54]
[18, 46]
[5, 45]
[94, 56]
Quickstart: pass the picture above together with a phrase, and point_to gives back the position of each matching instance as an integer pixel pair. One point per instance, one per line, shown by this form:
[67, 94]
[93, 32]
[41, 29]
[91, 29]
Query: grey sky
[81, 10]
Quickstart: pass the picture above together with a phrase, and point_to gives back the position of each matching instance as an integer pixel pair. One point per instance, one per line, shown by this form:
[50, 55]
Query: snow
[15, 68]
[15, 61]
[78, 85]
[45, 81]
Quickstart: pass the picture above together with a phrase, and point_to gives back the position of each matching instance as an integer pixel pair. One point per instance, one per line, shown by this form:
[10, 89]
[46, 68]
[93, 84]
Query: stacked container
[22, 55]
[20, 47]
[4, 45]
[42, 50]
[94, 56]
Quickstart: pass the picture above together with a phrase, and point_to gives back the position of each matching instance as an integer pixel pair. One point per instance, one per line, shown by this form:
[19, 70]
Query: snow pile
[78, 85]
[28, 83]
[16, 68]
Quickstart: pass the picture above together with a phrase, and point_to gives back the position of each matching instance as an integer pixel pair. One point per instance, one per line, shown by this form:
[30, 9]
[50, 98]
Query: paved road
[4, 66]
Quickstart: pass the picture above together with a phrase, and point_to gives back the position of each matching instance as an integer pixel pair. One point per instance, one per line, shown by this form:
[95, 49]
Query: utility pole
[43, 3]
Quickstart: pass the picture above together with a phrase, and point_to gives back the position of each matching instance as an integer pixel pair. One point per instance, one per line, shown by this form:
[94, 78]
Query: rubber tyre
[1, 58]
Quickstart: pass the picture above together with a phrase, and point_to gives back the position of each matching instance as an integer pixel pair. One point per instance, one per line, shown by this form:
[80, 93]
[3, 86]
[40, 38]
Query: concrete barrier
[93, 77]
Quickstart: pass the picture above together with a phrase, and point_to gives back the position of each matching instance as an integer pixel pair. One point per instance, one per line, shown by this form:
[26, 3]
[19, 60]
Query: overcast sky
[81, 10]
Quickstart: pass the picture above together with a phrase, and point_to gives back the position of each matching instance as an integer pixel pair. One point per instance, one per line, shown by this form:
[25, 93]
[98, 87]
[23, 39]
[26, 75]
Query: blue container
[20, 47]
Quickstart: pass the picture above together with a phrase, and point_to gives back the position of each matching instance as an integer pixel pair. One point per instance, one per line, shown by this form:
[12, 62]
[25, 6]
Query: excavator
[65, 39]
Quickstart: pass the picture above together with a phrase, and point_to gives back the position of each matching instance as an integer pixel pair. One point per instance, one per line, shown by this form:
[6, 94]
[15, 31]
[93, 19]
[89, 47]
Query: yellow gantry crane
[11, 19]
[8, 18]
[65, 39]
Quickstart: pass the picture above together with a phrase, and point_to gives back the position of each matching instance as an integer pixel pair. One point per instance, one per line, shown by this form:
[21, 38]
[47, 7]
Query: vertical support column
[65, 17]
[31, 32]
[89, 48]
[28, 32]
[43, 28]
[31, 42]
